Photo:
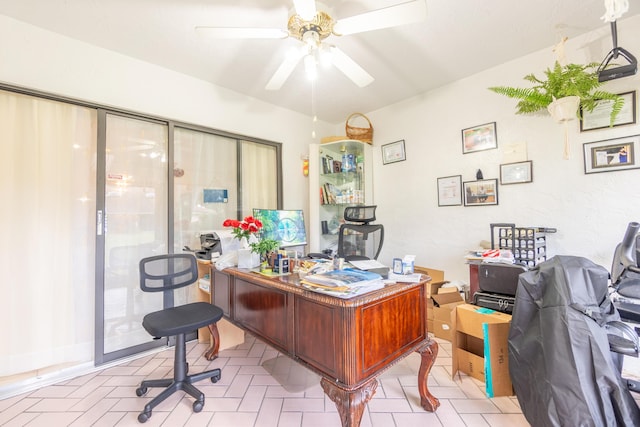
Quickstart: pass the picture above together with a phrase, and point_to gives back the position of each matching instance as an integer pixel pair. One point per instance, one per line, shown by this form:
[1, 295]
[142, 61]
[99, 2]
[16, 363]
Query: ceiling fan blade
[284, 71]
[392, 16]
[350, 68]
[306, 9]
[242, 33]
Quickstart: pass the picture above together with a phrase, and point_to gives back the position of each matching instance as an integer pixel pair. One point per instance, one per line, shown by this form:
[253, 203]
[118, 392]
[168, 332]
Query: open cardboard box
[445, 301]
[480, 347]
[437, 280]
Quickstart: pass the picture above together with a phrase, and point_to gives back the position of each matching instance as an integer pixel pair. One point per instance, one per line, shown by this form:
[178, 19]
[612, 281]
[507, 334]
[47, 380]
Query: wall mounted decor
[611, 154]
[450, 190]
[599, 118]
[516, 173]
[479, 138]
[393, 152]
[481, 193]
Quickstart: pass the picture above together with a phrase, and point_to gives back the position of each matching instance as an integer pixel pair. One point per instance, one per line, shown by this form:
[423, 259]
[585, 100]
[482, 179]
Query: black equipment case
[497, 285]
[497, 302]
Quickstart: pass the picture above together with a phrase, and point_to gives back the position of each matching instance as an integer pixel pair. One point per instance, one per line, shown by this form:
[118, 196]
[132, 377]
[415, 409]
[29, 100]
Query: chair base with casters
[166, 273]
[180, 381]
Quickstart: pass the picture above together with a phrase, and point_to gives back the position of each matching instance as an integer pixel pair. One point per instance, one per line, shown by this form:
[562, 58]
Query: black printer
[210, 243]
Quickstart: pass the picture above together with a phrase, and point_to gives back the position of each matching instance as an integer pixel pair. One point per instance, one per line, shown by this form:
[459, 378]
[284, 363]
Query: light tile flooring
[259, 388]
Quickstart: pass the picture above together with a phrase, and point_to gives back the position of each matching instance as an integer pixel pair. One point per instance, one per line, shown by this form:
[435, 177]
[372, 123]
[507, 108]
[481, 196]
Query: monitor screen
[285, 226]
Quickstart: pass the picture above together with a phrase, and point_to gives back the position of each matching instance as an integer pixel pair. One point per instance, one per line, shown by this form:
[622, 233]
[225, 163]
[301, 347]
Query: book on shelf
[330, 193]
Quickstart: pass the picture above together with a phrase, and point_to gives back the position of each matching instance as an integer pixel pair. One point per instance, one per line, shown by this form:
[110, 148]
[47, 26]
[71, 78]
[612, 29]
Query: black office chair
[358, 239]
[165, 273]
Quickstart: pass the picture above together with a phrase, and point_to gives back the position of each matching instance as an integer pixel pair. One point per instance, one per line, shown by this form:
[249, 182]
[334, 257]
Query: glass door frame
[100, 357]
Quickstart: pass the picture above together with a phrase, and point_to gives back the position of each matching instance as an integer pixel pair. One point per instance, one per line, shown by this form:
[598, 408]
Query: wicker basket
[360, 134]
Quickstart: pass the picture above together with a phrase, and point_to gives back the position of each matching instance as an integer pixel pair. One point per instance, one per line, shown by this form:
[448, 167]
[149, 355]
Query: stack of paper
[343, 283]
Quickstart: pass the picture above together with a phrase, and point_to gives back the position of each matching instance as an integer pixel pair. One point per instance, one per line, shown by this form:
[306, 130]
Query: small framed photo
[600, 117]
[482, 192]
[516, 173]
[611, 154]
[450, 190]
[393, 152]
[479, 138]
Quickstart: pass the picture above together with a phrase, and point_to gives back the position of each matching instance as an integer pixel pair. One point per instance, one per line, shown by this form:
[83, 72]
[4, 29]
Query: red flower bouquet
[245, 228]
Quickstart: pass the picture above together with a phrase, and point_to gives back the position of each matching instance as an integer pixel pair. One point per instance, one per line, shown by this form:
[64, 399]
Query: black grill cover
[559, 360]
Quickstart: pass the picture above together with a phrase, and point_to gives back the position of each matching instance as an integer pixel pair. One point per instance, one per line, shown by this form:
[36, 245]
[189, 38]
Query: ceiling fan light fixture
[325, 55]
[311, 38]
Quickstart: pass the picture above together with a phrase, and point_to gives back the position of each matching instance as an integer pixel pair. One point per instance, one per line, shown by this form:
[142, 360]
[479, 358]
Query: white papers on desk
[367, 264]
[345, 283]
[406, 278]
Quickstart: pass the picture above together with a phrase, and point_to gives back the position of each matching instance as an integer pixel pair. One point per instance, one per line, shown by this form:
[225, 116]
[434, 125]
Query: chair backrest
[360, 241]
[167, 272]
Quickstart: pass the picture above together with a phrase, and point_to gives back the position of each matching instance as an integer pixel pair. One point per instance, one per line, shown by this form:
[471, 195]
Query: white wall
[590, 211]
[41, 60]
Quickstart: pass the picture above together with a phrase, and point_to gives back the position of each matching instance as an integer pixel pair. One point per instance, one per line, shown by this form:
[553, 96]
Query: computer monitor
[285, 226]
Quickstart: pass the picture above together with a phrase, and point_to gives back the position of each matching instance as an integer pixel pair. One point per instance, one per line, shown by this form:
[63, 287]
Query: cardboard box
[437, 278]
[480, 347]
[444, 303]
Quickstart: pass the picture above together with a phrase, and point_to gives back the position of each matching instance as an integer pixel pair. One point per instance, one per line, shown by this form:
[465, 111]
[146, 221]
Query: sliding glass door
[132, 224]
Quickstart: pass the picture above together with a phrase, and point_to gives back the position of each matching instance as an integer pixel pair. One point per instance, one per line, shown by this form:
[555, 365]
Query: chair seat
[182, 319]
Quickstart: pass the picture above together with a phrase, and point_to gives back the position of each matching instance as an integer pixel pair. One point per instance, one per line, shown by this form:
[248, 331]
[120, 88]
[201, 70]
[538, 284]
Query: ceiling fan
[312, 25]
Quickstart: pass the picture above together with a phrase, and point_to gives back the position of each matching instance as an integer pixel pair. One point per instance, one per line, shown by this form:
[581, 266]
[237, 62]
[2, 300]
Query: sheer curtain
[259, 176]
[47, 229]
[202, 162]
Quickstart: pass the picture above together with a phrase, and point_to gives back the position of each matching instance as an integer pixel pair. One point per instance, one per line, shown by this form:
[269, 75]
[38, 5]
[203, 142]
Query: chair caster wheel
[141, 391]
[197, 406]
[143, 417]
[215, 378]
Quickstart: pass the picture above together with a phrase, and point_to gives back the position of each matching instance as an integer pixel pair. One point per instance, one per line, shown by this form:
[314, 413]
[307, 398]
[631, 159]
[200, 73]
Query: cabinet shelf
[336, 190]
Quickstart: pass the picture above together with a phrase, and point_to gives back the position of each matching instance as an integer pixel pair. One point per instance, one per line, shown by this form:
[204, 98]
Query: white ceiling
[459, 38]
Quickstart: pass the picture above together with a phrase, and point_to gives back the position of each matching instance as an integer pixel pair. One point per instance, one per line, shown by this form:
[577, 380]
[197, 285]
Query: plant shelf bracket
[606, 74]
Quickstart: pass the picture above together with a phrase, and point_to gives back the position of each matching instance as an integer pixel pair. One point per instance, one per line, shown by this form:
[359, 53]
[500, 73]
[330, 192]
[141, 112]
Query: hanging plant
[562, 81]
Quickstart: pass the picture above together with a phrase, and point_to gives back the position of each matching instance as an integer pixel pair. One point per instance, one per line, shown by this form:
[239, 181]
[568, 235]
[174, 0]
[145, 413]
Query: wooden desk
[349, 342]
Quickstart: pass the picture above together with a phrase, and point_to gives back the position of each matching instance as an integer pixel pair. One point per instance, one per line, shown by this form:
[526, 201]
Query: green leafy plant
[561, 81]
[264, 246]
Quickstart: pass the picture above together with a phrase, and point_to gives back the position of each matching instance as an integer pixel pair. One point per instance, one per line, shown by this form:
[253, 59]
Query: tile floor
[259, 388]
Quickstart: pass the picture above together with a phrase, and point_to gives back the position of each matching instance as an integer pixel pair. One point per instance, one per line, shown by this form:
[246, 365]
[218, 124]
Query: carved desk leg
[212, 352]
[350, 403]
[428, 352]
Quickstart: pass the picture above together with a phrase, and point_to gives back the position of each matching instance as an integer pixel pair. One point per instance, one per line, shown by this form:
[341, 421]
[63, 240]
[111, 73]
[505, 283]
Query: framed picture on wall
[481, 192]
[393, 152]
[600, 117]
[516, 173]
[450, 190]
[479, 138]
[611, 154]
